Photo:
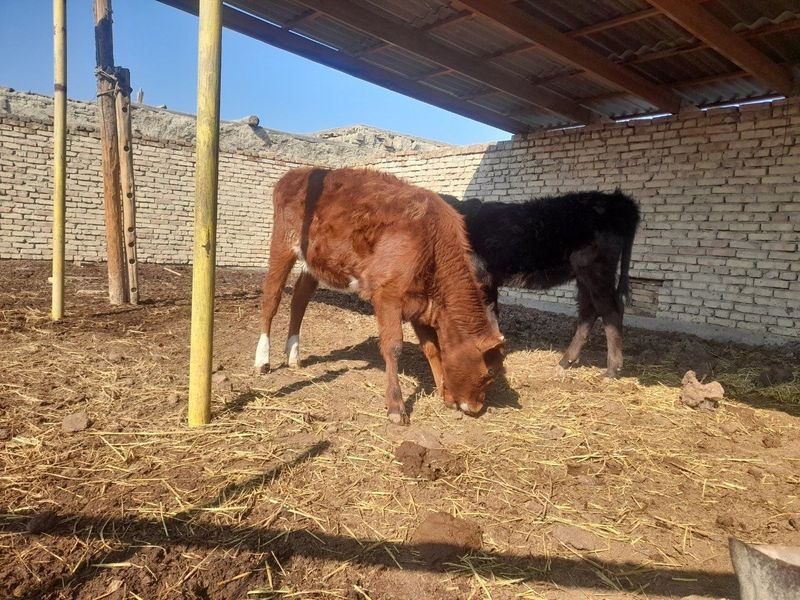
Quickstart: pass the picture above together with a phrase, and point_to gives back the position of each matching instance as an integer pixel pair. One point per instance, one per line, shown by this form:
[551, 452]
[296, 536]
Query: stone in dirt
[441, 537]
[115, 356]
[772, 440]
[75, 422]
[419, 434]
[173, 399]
[43, 522]
[428, 463]
[5, 434]
[700, 395]
[221, 382]
[578, 538]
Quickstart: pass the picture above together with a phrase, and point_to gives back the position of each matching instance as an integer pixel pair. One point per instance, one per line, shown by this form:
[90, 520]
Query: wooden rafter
[409, 39]
[301, 19]
[264, 31]
[702, 24]
[565, 48]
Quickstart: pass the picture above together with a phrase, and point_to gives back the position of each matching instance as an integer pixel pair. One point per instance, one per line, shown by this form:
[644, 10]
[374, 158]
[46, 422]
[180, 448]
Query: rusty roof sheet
[642, 40]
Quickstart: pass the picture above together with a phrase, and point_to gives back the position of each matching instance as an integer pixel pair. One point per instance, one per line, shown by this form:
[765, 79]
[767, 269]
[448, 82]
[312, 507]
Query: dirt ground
[576, 486]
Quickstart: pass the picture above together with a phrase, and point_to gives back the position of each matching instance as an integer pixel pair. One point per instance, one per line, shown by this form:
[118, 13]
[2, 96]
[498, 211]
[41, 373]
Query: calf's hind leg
[281, 259]
[587, 315]
[304, 288]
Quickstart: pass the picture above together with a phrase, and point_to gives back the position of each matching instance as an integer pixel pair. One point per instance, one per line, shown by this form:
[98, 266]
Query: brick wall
[164, 173]
[719, 193]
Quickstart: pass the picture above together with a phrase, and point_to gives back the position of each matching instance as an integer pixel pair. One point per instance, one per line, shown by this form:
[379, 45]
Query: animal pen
[569, 486]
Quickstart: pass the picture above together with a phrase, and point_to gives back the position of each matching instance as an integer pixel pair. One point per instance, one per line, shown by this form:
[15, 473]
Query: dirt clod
[441, 536]
[729, 521]
[578, 538]
[75, 422]
[772, 440]
[115, 356]
[5, 434]
[221, 382]
[700, 395]
[173, 399]
[428, 463]
[794, 523]
[43, 522]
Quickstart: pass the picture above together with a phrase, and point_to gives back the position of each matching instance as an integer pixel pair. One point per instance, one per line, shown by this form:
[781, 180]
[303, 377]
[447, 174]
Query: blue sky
[158, 44]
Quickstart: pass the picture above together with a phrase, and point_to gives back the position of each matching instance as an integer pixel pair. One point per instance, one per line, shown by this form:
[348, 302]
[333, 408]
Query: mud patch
[427, 463]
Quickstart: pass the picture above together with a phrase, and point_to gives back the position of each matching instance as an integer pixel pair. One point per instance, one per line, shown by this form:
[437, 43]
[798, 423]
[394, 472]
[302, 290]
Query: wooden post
[104, 47]
[125, 137]
[59, 154]
[205, 210]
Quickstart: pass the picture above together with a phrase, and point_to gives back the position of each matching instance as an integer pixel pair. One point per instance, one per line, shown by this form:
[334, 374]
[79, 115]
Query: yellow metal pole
[59, 154]
[205, 210]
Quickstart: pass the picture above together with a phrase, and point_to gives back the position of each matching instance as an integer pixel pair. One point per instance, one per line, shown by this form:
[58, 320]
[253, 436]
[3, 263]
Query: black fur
[546, 242]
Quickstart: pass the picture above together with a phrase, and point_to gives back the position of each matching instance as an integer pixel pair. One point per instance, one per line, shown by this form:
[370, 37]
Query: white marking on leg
[353, 285]
[293, 350]
[262, 351]
[465, 407]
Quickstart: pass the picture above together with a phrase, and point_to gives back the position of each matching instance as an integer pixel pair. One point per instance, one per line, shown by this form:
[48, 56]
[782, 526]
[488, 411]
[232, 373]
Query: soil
[429, 463]
[582, 487]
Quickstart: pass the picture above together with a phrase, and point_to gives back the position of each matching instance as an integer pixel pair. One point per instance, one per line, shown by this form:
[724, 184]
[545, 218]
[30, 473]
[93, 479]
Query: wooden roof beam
[702, 24]
[410, 39]
[301, 19]
[274, 35]
[454, 18]
[565, 48]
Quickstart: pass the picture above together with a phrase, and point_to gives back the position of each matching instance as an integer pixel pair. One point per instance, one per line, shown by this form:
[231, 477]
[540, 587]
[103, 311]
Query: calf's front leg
[429, 342]
[390, 332]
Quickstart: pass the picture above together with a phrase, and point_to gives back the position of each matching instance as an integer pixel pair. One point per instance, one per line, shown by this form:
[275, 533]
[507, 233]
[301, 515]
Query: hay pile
[581, 487]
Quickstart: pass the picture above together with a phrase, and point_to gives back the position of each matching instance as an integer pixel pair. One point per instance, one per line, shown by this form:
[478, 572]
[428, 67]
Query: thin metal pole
[59, 154]
[209, 52]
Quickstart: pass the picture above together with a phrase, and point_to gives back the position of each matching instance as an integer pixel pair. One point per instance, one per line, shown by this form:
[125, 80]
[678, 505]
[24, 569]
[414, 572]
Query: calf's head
[469, 367]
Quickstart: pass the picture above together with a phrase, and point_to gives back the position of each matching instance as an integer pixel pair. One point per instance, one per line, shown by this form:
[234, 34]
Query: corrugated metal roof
[630, 33]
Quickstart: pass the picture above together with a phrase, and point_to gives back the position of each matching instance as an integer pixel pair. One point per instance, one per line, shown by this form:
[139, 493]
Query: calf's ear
[492, 344]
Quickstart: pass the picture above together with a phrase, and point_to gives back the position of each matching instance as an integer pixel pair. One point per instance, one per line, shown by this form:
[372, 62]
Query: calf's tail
[624, 284]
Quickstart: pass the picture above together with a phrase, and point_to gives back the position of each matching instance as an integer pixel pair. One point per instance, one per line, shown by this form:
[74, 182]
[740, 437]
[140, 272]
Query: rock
[115, 356]
[5, 434]
[554, 433]
[75, 422]
[43, 522]
[700, 395]
[419, 434]
[578, 538]
[729, 428]
[173, 399]
[441, 536]
[221, 382]
[217, 367]
[772, 440]
[775, 375]
[794, 523]
[428, 463]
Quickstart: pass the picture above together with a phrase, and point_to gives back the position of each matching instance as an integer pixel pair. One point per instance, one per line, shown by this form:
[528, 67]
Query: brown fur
[408, 251]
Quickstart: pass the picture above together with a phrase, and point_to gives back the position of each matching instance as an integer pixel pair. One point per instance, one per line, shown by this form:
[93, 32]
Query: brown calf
[399, 246]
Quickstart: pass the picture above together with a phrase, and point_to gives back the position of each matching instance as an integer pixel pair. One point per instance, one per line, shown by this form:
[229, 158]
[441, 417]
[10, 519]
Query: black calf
[542, 243]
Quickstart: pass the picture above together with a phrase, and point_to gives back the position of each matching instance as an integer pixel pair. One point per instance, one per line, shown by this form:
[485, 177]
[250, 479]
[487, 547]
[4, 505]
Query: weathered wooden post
[205, 210]
[59, 154]
[125, 138]
[104, 47]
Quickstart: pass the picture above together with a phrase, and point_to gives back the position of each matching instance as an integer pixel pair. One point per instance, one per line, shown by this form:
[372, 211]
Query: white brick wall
[719, 193]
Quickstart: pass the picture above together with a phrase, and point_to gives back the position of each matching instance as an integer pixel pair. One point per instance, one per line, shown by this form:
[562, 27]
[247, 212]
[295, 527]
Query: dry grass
[293, 492]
